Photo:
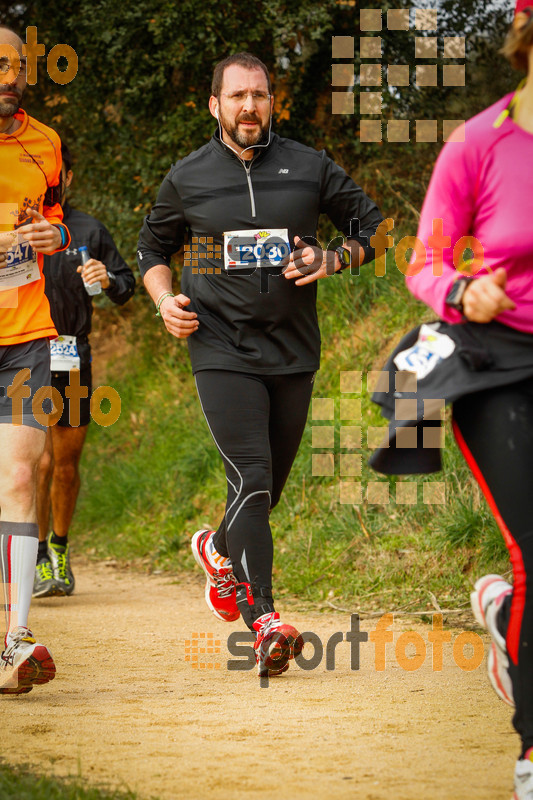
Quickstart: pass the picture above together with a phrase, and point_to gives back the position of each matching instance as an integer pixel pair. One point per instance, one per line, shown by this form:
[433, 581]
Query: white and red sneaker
[275, 645]
[24, 663]
[523, 777]
[486, 600]
[220, 593]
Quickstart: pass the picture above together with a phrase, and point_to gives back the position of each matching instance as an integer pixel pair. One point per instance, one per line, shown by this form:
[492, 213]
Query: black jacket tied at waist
[485, 356]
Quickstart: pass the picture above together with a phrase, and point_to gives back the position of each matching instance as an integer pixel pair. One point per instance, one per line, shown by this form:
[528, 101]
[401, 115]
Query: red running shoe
[24, 663]
[275, 645]
[220, 594]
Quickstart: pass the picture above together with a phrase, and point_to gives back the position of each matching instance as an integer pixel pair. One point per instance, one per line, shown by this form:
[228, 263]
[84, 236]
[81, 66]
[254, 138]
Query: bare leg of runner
[24, 662]
[67, 445]
[44, 476]
[59, 486]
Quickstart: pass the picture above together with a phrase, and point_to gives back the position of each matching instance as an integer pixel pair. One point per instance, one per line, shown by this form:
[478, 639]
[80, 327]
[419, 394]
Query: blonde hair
[518, 44]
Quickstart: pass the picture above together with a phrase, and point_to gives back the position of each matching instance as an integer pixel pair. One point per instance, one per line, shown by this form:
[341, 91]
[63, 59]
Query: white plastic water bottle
[90, 288]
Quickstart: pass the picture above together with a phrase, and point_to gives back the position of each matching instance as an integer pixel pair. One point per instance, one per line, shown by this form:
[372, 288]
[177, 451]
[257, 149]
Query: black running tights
[494, 430]
[257, 422]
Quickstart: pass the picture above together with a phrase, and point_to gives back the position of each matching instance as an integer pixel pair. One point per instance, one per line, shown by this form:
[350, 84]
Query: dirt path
[127, 708]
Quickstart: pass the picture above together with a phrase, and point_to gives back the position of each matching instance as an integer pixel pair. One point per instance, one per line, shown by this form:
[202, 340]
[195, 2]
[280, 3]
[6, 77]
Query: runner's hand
[94, 271]
[178, 322]
[307, 263]
[485, 297]
[41, 234]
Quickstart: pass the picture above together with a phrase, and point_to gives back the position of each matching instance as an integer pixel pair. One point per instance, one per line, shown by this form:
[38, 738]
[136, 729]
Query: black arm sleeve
[163, 230]
[108, 254]
[348, 207]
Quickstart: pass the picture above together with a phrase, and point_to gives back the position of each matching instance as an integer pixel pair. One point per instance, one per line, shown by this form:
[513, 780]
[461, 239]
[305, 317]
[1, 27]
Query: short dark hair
[246, 60]
[518, 43]
[66, 156]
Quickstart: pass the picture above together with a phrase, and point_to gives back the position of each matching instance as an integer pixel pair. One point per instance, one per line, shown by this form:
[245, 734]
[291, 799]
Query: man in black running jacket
[248, 309]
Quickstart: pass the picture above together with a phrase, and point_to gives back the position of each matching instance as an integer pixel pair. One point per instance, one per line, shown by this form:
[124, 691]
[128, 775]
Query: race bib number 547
[22, 266]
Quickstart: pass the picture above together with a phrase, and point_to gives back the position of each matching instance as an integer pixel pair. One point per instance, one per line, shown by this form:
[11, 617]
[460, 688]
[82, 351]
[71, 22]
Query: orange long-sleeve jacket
[30, 164]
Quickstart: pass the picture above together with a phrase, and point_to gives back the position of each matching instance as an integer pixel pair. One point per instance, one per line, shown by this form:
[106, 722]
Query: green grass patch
[20, 783]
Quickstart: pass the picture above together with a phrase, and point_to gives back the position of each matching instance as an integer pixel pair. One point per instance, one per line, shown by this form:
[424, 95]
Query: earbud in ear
[216, 112]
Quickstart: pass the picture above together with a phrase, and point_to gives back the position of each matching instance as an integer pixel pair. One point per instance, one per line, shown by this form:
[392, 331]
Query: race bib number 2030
[250, 249]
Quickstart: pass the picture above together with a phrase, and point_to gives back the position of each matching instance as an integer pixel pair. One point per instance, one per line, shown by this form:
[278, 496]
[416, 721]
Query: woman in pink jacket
[482, 187]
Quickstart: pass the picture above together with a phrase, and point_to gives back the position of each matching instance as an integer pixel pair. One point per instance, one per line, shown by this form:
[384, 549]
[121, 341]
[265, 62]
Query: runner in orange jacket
[30, 225]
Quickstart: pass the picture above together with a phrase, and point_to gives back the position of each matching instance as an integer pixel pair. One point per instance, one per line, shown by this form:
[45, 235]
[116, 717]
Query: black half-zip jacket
[70, 305]
[247, 325]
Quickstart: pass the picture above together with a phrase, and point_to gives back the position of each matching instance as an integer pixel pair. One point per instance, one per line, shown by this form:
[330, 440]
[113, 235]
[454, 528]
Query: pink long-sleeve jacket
[481, 187]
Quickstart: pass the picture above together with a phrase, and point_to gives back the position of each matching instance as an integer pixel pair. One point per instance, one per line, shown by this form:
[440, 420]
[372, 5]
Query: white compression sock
[214, 556]
[18, 557]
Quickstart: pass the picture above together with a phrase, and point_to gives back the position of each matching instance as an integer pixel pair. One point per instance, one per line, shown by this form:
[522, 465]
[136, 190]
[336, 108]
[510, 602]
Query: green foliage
[19, 783]
[467, 522]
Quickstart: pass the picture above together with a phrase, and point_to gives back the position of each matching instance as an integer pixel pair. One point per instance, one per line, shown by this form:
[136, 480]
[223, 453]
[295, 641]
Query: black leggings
[494, 430]
[257, 422]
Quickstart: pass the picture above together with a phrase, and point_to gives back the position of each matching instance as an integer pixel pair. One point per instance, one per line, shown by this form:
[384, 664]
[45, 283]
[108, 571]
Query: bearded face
[246, 129]
[10, 100]
[12, 83]
[244, 106]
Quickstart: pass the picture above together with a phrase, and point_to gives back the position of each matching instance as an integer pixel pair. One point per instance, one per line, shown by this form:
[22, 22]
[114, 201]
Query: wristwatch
[454, 298]
[345, 257]
[112, 279]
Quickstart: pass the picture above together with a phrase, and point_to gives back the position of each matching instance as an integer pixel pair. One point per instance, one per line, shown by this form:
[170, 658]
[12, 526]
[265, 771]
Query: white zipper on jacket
[250, 187]
[247, 170]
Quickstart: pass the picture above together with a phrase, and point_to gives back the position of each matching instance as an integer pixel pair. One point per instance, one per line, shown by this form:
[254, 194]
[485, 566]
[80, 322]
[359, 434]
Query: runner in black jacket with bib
[71, 308]
[251, 324]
